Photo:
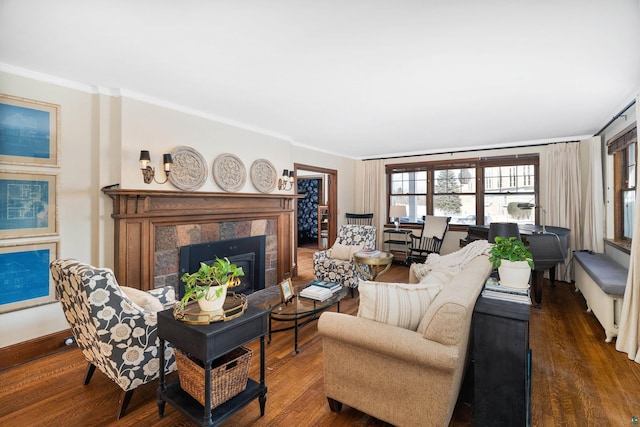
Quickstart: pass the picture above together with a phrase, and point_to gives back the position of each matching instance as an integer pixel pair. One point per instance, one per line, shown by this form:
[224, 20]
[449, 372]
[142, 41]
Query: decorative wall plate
[263, 175]
[229, 172]
[189, 169]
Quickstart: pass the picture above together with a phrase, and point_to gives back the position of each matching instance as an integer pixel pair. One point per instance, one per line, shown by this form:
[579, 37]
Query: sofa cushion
[344, 252]
[610, 276]
[397, 304]
[437, 278]
[452, 310]
[142, 299]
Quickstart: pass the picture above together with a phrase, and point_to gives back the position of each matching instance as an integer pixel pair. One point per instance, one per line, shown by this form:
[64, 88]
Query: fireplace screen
[246, 252]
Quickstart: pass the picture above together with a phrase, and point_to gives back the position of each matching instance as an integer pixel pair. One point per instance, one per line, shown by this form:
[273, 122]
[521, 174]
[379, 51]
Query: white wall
[101, 138]
[78, 185]
[346, 175]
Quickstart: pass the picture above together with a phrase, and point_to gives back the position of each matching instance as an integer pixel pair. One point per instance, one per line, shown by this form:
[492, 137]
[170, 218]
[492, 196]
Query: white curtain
[628, 340]
[593, 225]
[373, 192]
[560, 195]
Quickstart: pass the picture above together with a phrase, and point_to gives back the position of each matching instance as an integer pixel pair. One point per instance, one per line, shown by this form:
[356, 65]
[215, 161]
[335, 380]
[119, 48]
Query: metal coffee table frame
[301, 311]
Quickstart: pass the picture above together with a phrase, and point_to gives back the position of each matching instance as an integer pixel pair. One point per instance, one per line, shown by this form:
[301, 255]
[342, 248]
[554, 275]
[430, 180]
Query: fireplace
[247, 252]
[151, 226]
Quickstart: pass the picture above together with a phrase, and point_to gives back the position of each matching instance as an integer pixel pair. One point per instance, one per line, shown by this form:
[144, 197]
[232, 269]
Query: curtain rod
[621, 113]
[468, 151]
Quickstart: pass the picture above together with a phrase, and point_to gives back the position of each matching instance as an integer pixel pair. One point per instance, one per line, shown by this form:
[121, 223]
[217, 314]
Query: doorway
[316, 214]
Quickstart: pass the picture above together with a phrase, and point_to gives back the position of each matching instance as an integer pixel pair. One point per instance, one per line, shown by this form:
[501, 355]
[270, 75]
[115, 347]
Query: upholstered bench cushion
[610, 276]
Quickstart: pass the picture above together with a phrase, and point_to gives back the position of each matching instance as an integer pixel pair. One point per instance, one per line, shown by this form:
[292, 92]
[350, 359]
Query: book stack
[496, 291]
[316, 292]
[371, 253]
[332, 286]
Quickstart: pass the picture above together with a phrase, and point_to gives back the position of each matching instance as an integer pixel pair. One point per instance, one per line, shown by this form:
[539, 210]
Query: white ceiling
[361, 78]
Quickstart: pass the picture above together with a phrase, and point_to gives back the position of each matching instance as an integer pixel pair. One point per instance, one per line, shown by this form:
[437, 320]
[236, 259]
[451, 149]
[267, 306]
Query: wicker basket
[228, 375]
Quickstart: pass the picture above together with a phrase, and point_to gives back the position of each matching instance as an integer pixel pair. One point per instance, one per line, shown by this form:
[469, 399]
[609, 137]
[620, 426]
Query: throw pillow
[436, 278]
[396, 304]
[141, 298]
[343, 252]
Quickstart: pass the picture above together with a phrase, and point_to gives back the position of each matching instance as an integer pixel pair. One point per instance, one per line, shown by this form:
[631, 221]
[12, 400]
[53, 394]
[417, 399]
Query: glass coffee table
[299, 311]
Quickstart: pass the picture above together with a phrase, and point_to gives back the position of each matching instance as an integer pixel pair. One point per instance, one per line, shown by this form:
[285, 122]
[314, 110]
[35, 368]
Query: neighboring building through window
[476, 191]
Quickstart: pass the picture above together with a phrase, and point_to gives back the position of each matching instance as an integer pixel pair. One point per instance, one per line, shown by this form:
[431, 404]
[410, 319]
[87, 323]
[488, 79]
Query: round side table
[378, 264]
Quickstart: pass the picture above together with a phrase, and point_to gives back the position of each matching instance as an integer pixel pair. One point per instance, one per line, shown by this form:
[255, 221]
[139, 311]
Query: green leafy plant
[220, 272]
[510, 249]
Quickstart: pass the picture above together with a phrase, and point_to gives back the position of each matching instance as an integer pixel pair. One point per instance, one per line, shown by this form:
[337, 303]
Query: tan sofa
[398, 375]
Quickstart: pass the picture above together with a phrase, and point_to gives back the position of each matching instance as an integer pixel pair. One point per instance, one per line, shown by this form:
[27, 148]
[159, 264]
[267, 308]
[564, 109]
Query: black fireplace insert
[245, 252]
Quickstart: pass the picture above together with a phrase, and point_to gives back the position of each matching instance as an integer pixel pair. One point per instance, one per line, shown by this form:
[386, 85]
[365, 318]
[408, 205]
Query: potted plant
[209, 284]
[513, 261]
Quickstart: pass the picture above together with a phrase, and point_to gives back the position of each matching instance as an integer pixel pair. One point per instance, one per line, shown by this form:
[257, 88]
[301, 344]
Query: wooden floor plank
[578, 379]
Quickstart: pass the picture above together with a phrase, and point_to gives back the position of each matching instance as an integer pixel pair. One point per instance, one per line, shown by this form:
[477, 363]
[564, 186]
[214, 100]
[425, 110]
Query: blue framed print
[27, 204]
[29, 132]
[24, 275]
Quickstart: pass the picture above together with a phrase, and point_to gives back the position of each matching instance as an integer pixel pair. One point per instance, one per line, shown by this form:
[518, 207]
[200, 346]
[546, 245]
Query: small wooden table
[208, 342]
[378, 264]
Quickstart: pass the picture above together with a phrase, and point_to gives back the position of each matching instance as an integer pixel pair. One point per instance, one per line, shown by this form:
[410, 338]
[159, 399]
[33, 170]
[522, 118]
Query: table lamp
[397, 211]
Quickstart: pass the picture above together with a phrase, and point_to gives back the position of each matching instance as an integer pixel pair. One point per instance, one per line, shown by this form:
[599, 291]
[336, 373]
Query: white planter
[514, 274]
[212, 303]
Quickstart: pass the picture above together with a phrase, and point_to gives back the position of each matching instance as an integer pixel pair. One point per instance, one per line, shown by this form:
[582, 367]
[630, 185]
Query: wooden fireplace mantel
[137, 213]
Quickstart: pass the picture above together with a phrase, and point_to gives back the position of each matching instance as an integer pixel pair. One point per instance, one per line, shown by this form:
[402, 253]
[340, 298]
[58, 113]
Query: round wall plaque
[263, 175]
[229, 172]
[189, 169]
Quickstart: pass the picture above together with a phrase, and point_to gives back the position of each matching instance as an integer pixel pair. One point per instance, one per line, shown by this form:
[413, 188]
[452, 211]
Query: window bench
[602, 282]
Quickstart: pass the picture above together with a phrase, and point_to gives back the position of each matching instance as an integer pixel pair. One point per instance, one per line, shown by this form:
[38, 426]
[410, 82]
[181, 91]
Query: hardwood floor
[578, 379]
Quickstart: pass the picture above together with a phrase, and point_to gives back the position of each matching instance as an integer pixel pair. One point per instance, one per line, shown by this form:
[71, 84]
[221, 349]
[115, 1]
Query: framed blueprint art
[29, 132]
[27, 204]
[24, 275]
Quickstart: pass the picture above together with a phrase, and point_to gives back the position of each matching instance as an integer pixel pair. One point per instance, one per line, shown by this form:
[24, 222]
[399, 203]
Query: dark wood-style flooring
[578, 379]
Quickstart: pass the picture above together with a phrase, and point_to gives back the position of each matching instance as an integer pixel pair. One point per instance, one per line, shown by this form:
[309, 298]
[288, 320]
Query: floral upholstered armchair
[336, 264]
[114, 326]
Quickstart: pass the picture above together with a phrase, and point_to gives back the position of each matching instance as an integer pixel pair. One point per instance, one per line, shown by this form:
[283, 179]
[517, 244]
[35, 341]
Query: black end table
[208, 342]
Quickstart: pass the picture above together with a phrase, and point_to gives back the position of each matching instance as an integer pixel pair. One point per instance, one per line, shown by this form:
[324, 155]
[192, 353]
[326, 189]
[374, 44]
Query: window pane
[455, 181]
[409, 183]
[460, 207]
[627, 212]
[416, 206]
[513, 179]
[504, 208]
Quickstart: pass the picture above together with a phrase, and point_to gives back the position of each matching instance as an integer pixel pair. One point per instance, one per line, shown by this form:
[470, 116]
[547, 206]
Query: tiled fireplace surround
[169, 239]
[151, 226]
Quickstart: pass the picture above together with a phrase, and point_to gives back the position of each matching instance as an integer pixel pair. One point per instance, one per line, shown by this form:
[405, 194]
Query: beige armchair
[401, 376]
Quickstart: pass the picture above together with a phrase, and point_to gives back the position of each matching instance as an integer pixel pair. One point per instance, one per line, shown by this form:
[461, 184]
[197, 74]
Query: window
[454, 194]
[469, 191]
[624, 148]
[410, 189]
[506, 191]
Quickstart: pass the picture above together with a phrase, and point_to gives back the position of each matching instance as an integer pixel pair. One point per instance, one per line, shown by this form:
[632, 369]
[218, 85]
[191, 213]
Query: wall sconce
[149, 173]
[286, 182]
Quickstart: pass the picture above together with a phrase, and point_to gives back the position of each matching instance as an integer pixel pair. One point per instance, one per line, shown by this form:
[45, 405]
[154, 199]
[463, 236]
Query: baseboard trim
[28, 350]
